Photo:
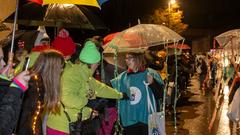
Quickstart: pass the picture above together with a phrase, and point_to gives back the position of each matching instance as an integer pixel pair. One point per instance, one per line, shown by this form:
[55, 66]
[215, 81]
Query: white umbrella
[230, 40]
[227, 37]
[141, 37]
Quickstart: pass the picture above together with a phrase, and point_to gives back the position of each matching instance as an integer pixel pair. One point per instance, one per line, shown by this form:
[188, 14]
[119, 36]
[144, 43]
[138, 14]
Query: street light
[172, 5]
[171, 2]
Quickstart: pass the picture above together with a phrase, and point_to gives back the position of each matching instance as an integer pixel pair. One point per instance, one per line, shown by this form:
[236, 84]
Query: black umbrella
[58, 15]
[26, 36]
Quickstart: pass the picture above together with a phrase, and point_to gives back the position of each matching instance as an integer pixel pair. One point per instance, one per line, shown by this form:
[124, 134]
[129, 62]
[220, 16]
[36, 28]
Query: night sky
[200, 14]
[211, 13]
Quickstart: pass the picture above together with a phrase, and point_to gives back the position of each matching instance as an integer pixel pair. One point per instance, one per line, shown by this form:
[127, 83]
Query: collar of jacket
[87, 69]
[130, 71]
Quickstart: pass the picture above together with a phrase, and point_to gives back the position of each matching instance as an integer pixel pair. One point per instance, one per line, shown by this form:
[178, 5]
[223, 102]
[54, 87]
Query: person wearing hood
[79, 86]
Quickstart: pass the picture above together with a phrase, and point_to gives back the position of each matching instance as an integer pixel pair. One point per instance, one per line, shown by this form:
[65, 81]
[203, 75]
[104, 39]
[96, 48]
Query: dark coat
[10, 104]
[3, 89]
[204, 68]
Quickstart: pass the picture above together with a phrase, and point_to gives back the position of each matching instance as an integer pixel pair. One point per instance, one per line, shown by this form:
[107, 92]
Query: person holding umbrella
[43, 93]
[134, 113]
[4, 70]
[11, 91]
[62, 44]
[10, 101]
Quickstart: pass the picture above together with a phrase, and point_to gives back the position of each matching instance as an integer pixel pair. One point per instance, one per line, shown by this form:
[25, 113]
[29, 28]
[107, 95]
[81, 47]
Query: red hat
[64, 43]
[41, 48]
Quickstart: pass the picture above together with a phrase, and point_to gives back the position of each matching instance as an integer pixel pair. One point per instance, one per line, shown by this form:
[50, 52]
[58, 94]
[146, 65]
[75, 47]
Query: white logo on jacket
[135, 95]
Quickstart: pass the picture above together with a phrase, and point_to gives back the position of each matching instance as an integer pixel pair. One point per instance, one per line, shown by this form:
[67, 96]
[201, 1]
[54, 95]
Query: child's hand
[23, 78]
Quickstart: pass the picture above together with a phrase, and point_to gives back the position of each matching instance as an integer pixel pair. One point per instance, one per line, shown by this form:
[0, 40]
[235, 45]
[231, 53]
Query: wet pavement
[195, 112]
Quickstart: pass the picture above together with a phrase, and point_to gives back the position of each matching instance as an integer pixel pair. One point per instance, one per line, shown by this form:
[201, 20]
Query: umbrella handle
[10, 63]
[10, 58]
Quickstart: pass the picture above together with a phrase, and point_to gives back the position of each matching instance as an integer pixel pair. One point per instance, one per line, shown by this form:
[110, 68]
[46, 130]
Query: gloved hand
[125, 96]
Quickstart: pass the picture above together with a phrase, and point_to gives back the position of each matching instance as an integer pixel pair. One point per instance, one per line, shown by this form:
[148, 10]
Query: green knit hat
[90, 54]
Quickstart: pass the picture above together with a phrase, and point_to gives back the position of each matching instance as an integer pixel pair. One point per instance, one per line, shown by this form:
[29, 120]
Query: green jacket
[76, 83]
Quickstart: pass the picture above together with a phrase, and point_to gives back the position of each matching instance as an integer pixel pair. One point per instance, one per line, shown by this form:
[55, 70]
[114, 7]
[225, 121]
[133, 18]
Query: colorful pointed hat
[90, 54]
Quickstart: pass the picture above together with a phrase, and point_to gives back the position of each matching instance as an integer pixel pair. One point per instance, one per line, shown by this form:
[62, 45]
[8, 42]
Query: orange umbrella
[109, 57]
[109, 37]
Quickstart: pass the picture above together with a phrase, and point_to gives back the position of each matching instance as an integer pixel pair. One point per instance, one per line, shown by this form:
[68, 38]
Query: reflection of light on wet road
[195, 112]
[223, 128]
[225, 92]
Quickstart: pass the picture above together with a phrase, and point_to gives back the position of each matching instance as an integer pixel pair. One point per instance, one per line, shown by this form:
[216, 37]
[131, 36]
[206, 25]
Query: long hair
[139, 58]
[49, 66]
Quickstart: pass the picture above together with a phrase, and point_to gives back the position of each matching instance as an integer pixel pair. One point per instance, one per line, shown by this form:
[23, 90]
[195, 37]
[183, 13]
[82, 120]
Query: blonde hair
[49, 66]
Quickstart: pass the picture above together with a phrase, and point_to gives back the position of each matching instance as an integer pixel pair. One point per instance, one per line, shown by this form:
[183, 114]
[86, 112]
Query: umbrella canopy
[26, 36]
[7, 8]
[102, 1]
[228, 37]
[142, 36]
[230, 41]
[62, 15]
[79, 2]
[58, 15]
[179, 46]
[109, 57]
[109, 37]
